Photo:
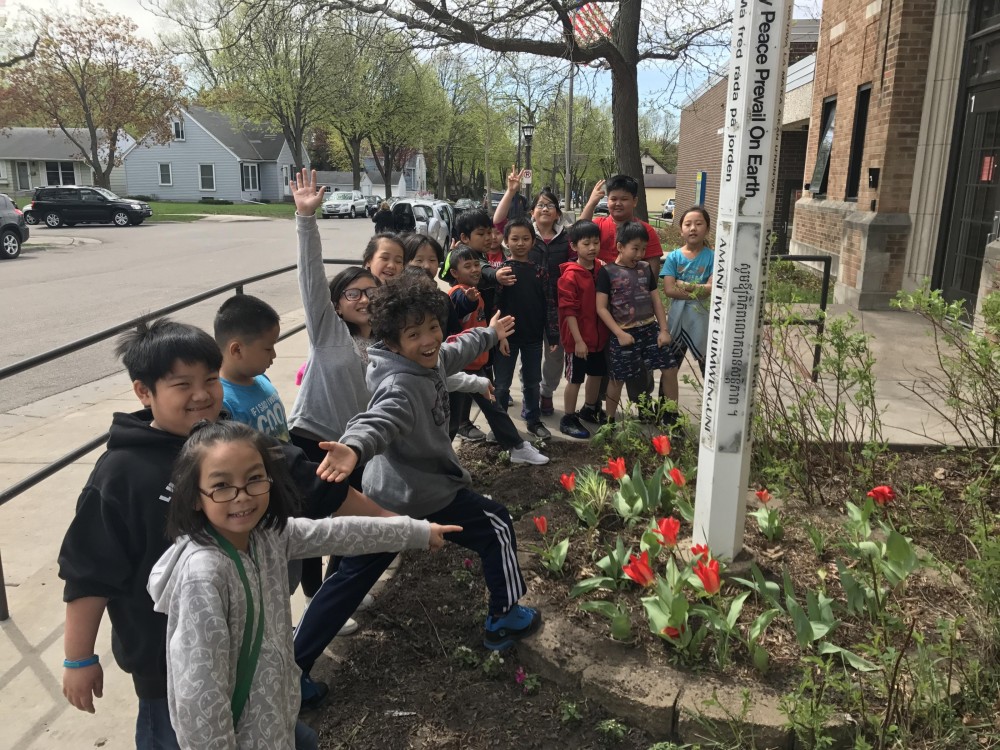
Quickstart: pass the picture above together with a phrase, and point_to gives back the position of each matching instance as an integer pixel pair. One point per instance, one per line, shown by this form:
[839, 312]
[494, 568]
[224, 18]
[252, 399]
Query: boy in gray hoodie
[411, 465]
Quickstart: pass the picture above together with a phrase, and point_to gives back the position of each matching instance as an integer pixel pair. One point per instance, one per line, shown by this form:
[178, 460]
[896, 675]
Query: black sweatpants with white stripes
[486, 530]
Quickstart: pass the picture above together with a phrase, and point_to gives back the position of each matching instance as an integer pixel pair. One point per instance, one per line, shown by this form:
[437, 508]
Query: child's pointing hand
[438, 531]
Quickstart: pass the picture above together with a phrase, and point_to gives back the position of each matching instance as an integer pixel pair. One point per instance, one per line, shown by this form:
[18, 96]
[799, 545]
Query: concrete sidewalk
[33, 711]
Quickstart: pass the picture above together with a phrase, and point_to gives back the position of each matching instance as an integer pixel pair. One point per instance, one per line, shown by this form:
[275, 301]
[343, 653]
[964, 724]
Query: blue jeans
[153, 730]
[531, 377]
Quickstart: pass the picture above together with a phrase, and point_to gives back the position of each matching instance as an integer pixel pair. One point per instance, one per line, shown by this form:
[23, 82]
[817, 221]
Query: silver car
[345, 203]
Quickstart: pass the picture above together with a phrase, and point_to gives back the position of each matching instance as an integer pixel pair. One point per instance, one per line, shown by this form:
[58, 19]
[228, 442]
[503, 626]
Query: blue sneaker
[314, 693]
[503, 632]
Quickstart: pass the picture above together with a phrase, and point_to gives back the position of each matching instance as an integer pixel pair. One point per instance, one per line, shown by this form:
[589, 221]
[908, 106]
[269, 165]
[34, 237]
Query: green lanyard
[250, 647]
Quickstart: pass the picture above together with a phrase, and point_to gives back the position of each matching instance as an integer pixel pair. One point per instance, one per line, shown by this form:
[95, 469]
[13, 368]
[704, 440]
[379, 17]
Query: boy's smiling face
[520, 241]
[631, 252]
[420, 342]
[467, 272]
[189, 393]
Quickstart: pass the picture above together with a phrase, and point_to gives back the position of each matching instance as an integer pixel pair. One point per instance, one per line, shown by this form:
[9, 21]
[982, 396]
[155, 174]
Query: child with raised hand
[526, 302]
[233, 684]
[687, 281]
[628, 304]
[412, 467]
[584, 336]
[246, 330]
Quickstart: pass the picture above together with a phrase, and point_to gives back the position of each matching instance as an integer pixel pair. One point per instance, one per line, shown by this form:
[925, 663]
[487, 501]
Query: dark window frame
[821, 171]
[862, 104]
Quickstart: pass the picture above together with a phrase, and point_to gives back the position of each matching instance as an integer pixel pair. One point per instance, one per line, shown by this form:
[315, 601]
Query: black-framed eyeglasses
[230, 492]
[545, 206]
[353, 295]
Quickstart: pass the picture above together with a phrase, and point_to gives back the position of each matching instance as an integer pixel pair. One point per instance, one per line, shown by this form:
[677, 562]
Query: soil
[414, 674]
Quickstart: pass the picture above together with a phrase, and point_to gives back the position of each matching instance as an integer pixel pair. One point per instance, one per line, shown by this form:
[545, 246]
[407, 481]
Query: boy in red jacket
[582, 334]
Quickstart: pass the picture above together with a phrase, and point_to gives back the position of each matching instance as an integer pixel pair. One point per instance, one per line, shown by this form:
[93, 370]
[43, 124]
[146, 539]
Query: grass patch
[169, 211]
[791, 283]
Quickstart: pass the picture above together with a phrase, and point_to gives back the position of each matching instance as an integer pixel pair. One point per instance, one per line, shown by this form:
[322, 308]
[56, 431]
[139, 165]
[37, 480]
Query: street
[53, 296]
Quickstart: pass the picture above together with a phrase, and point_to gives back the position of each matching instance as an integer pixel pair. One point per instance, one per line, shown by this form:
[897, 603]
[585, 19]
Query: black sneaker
[471, 434]
[503, 632]
[570, 425]
[547, 407]
[593, 414]
[539, 430]
[314, 693]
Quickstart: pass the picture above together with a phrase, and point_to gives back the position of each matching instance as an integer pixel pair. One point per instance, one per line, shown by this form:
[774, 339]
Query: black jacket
[119, 532]
[550, 256]
[383, 220]
[525, 300]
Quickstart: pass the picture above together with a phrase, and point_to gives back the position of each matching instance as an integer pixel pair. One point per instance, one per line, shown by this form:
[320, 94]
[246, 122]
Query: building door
[23, 176]
[977, 197]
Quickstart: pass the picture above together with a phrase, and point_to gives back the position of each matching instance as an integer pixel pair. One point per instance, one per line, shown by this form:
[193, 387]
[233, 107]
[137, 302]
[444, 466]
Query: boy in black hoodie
[119, 530]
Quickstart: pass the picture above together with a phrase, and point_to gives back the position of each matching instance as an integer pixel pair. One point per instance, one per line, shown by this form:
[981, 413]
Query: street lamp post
[528, 129]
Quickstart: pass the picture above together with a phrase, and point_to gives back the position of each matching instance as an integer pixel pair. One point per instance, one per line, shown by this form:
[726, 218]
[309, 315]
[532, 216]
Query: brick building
[900, 173]
[699, 145]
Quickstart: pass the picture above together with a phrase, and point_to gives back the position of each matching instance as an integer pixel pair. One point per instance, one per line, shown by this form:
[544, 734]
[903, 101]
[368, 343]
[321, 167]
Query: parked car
[372, 202]
[668, 209]
[602, 207]
[13, 228]
[70, 204]
[345, 203]
[464, 204]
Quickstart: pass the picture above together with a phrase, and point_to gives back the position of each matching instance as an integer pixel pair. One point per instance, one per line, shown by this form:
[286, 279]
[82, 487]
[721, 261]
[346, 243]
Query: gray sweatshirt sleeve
[389, 415]
[198, 657]
[464, 382]
[355, 535]
[324, 326]
[465, 347]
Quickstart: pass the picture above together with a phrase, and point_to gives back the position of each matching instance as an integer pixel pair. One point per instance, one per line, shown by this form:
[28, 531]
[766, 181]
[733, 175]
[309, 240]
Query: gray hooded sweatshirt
[197, 586]
[403, 436]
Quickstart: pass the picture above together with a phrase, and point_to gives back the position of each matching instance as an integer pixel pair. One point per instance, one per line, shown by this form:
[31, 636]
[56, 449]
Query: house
[38, 157]
[901, 170]
[699, 149]
[213, 155]
[659, 183]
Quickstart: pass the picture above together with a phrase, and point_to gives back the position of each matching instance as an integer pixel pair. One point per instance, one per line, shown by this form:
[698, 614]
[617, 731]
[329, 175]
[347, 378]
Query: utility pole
[567, 187]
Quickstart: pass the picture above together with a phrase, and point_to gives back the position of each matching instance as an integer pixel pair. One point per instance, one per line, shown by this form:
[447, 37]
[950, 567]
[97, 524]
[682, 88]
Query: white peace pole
[746, 208]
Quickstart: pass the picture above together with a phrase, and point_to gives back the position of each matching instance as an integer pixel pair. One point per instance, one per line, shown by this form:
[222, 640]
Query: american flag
[590, 24]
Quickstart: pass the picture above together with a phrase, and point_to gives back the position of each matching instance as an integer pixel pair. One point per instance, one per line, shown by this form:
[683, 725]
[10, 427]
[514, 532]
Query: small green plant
[569, 712]
[611, 731]
[551, 553]
[465, 657]
[530, 683]
[588, 495]
[493, 665]
[612, 566]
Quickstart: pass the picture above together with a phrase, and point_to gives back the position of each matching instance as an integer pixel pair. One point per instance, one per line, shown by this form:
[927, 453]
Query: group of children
[212, 465]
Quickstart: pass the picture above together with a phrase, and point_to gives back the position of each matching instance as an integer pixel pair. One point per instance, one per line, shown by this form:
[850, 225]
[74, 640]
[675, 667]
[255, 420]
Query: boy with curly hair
[411, 466]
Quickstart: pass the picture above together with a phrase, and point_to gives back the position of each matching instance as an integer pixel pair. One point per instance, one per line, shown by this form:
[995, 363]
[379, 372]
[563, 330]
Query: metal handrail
[824, 298]
[61, 463]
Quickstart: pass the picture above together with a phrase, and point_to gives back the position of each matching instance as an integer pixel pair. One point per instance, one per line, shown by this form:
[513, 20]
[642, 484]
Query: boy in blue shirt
[246, 330]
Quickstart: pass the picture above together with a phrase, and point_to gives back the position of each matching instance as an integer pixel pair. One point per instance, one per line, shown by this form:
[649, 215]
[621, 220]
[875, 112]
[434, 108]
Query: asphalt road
[52, 296]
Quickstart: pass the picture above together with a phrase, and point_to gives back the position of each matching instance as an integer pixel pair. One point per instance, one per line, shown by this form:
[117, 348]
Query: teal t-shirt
[257, 405]
[687, 319]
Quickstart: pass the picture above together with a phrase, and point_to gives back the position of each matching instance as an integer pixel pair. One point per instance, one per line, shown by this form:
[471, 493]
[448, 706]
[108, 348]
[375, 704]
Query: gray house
[38, 157]
[213, 156]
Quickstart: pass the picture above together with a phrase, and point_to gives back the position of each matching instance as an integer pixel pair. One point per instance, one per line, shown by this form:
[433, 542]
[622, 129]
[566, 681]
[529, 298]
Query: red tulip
[882, 495]
[661, 443]
[763, 495]
[615, 467]
[700, 550]
[568, 481]
[639, 571]
[667, 528]
[709, 575]
[541, 523]
[677, 477]
[672, 632]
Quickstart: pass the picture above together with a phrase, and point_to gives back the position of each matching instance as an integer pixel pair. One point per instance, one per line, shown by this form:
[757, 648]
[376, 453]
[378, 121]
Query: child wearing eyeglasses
[234, 684]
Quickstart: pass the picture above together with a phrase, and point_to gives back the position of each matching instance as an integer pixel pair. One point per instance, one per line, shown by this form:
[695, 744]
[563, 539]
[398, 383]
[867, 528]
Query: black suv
[13, 229]
[69, 205]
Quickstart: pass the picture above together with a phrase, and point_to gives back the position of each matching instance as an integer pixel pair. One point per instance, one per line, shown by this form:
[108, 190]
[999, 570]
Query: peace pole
[751, 141]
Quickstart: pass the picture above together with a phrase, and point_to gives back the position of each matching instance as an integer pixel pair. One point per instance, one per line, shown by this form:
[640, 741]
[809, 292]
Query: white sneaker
[368, 601]
[349, 627]
[526, 453]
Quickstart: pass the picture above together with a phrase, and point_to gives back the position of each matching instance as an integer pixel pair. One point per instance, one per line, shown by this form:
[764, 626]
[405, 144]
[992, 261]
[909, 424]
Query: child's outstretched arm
[358, 535]
[83, 619]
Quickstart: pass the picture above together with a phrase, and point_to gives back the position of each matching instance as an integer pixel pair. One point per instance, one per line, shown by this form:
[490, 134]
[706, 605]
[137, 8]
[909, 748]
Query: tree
[658, 132]
[669, 30]
[93, 78]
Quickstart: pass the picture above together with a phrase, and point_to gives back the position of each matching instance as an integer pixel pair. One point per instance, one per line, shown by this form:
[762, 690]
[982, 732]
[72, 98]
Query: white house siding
[37, 176]
[198, 147]
[270, 181]
[286, 161]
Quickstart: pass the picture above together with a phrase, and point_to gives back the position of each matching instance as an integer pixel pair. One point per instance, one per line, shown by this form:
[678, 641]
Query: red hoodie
[578, 298]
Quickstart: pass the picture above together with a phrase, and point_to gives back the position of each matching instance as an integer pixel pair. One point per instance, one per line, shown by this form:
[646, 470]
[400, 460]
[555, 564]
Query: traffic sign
[526, 179]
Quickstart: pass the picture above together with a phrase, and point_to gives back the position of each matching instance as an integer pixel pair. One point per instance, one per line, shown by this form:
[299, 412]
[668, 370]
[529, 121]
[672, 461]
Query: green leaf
[760, 623]
[902, 559]
[591, 584]
[860, 664]
[621, 627]
[735, 609]
[761, 659]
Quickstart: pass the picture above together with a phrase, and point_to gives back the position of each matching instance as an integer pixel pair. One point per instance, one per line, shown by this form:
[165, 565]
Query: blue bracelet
[79, 663]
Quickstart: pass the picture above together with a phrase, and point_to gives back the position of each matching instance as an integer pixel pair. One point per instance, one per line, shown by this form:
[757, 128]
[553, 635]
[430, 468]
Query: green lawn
[168, 211]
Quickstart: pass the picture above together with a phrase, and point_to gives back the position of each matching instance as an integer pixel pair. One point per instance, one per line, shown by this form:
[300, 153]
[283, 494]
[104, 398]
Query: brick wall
[699, 149]
[790, 165]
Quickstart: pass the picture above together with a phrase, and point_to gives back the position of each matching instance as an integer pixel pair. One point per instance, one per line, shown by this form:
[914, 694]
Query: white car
[345, 203]
[430, 217]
